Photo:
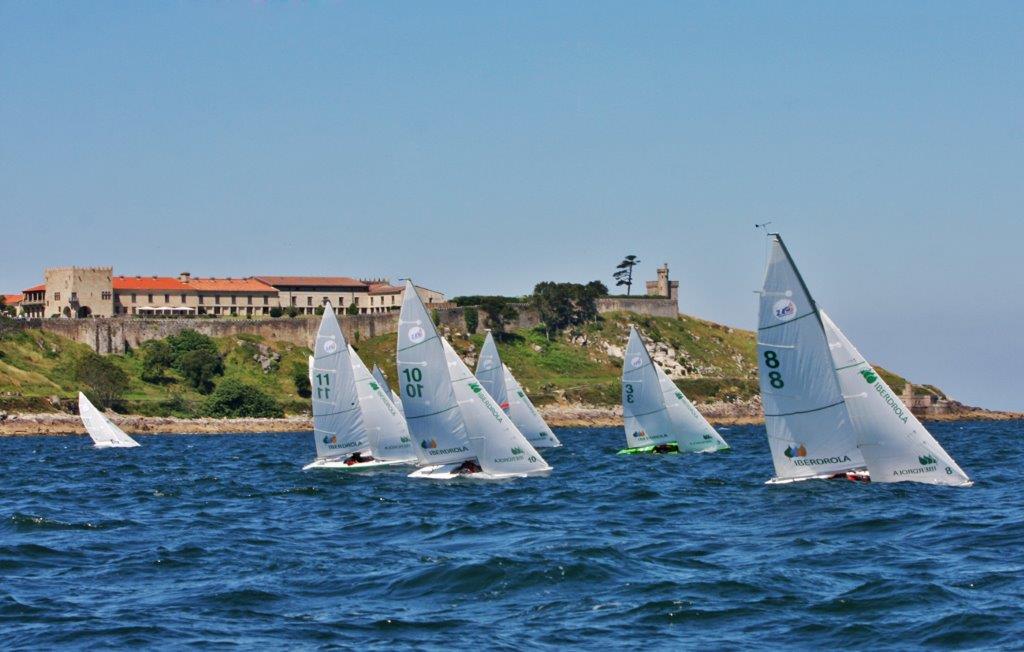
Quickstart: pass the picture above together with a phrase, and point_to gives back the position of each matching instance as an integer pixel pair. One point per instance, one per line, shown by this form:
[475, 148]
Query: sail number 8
[413, 388]
[771, 360]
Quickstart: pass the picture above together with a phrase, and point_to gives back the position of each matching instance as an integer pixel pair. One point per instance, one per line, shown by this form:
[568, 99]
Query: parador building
[80, 292]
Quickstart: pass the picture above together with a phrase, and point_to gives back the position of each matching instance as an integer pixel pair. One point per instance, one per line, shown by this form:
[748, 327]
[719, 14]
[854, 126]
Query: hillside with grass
[40, 371]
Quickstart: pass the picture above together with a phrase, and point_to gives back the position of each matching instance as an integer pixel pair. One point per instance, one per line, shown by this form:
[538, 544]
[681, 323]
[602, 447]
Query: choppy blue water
[224, 542]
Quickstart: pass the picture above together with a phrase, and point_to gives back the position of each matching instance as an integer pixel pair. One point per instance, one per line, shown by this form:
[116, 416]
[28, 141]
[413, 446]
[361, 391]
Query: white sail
[655, 411]
[501, 449]
[809, 429]
[643, 403]
[431, 411]
[490, 372]
[525, 415]
[385, 427]
[378, 375]
[895, 445]
[338, 427]
[103, 432]
[694, 431]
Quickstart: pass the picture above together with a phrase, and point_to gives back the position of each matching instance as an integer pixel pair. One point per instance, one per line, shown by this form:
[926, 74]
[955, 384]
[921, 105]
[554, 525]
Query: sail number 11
[413, 388]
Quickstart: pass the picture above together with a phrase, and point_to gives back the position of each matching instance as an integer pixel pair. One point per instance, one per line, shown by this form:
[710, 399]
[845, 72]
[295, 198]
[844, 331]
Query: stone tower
[663, 287]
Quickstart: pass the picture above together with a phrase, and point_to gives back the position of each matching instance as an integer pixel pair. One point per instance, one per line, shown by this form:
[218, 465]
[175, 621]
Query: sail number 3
[771, 360]
[413, 388]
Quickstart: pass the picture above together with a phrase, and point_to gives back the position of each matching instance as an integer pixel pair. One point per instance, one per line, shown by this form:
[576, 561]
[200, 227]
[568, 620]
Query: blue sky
[483, 147]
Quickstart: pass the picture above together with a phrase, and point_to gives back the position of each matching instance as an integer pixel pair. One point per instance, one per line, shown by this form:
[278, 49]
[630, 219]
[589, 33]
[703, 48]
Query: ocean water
[223, 542]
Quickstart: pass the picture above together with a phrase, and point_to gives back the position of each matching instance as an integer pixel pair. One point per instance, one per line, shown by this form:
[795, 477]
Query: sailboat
[354, 425]
[828, 413]
[378, 375]
[103, 432]
[658, 417]
[508, 393]
[459, 429]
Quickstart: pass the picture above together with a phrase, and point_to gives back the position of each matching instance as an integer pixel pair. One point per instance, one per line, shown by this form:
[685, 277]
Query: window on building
[167, 298]
[56, 296]
[150, 298]
[216, 300]
[105, 296]
[309, 301]
[266, 301]
[248, 300]
[200, 301]
[234, 300]
[356, 300]
[183, 298]
[323, 301]
[135, 298]
[293, 301]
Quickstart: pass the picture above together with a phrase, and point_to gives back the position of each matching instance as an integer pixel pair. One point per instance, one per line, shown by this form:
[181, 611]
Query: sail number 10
[771, 360]
[413, 388]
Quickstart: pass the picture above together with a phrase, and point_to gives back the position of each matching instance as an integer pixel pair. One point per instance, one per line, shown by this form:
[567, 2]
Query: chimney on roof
[184, 277]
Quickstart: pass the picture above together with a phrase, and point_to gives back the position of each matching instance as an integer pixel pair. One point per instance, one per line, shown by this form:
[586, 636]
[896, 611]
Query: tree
[276, 312]
[292, 312]
[625, 274]
[499, 312]
[352, 309]
[300, 376]
[6, 310]
[233, 398]
[200, 367]
[561, 305]
[190, 340]
[157, 358]
[105, 383]
[472, 317]
[319, 310]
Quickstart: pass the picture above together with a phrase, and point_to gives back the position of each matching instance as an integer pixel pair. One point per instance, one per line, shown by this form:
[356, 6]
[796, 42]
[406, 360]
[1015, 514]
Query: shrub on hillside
[561, 305]
[300, 376]
[103, 382]
[233, 398]
[157, 357]
[190, 340]
[200, 367]
[472, 317]
[499, 312]
[276, 312]
[352, 309]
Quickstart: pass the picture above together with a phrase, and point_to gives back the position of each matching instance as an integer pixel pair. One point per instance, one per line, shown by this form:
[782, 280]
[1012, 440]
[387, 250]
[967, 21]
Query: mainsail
[490, 372]
[501, 448]
[338, 427]
[525, 415]
[386, 429]
[103, 432]
[809, 429]
[435, 421]
[895, 445]
[655, 411]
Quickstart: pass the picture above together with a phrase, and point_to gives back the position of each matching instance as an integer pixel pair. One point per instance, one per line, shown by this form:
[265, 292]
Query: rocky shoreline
[557, 415]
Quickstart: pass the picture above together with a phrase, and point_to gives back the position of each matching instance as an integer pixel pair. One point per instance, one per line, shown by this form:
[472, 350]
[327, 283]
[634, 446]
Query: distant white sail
[895, 445]
[338, 428]
[383, 382]
[103, 432]
[431, 410]
[689, 423]
[525, 415]
[809, 429]
[501, 449]
[385, 427]
[490, 372]
[654, 411]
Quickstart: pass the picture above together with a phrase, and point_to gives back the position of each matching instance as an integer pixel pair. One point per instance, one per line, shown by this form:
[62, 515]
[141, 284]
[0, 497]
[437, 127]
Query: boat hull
[641, 450]
[856, 475]
[340, 465]
[448, 472]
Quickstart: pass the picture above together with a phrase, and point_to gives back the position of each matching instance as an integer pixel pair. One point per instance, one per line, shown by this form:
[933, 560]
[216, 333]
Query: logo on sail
[927, 460]
[517, 451]
[330, 439]
[869, 376]
[427, 445]
[636, 362]
[404, 440]
[793, 451]
[784, 309]
[475, 387]
[416, 334]
[707, 437]
[374, 386]
[330, 346]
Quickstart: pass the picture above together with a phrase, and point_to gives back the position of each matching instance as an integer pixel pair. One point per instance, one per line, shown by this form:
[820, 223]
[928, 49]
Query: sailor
[467, 467]
[358, 458]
